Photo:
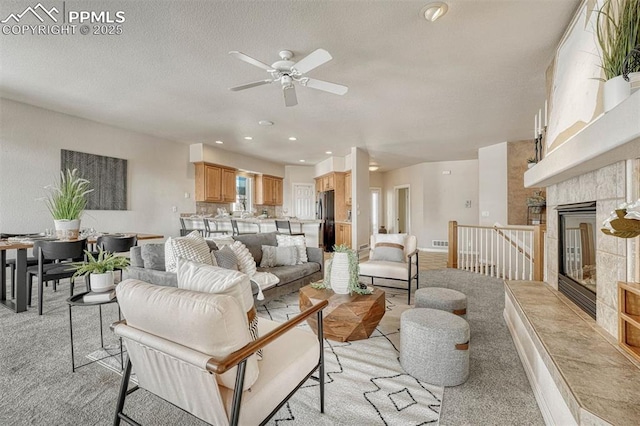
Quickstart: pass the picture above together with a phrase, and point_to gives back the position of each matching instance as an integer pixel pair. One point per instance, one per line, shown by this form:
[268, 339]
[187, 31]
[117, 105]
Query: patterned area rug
[364, 384]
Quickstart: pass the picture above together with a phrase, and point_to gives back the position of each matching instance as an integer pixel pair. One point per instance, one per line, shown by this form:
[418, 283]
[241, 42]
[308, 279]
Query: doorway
[376, 209]
[403, 219]
[304, 202]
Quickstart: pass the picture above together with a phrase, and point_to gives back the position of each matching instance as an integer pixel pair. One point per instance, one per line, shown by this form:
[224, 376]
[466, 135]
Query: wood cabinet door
[319, 185]
[347, 189]
[212, 183]
[278, 189]
[228, 185]
[346, 235]
[331, 182]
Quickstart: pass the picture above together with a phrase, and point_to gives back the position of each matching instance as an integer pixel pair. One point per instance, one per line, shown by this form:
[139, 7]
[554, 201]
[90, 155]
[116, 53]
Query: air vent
[439, 243]
[363, 247]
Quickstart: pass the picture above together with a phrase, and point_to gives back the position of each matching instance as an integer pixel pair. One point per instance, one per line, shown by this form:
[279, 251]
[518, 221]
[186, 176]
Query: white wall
[361, 198]
[31, 138]
[492, 179]
[436, 198]
[210, 154]
[331, 164]
[296, 174]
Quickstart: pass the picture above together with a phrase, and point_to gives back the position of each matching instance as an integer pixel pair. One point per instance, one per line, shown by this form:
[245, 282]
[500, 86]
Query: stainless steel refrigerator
[326, 212]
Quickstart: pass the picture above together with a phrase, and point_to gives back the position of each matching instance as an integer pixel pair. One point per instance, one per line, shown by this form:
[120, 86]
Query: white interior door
[304, 200]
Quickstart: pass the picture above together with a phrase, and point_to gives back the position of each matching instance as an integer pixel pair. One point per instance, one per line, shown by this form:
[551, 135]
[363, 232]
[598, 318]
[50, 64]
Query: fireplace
[577, 254]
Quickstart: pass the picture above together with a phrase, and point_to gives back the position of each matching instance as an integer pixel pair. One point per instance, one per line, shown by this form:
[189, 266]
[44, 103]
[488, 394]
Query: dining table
[19, 304]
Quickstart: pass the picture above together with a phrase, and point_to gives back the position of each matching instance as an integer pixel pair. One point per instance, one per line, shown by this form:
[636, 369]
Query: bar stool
[236, 231]
[209, 231]
[284, 227]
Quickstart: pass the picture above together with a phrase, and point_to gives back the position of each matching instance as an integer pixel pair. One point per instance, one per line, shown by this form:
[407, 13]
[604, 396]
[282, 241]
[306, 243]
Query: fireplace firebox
[577, 254]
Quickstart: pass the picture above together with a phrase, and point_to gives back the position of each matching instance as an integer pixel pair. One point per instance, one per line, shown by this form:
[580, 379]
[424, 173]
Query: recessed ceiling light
[302, 161]
[265, 123]
[248, 138]
[328, 152]
[219, 142]
[292, 138]
[433, 11]
[373, 168]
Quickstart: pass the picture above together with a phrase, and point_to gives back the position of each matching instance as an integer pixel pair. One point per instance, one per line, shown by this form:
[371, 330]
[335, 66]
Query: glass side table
[76, 300]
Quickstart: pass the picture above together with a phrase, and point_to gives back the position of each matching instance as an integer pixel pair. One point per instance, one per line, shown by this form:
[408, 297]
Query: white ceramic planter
[67, 229]
[634, 81]
[340, 276]
[101, 282]
[615, 91]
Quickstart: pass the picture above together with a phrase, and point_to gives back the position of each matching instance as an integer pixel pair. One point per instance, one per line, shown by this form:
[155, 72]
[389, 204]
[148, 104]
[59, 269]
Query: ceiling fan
[286, 72]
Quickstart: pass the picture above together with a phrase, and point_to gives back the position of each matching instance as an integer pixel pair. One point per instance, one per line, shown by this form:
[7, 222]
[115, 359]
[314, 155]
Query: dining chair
[11, 263]
[62, 253]
[116, 244]
[284, 227]
[236, 231]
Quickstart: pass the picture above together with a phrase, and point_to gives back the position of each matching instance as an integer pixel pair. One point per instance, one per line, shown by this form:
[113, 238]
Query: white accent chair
[401, 271]
[200, 358]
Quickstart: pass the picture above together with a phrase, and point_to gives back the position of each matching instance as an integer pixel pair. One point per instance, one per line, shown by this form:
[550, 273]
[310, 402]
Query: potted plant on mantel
[66, 202]
[100, 269]
[618, 33]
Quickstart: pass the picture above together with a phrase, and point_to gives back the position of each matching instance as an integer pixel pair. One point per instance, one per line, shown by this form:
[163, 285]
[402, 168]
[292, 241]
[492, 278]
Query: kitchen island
[310, 227]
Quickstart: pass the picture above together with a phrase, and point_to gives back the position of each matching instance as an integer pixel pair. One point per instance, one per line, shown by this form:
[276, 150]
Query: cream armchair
[405, 270]
[200, 357]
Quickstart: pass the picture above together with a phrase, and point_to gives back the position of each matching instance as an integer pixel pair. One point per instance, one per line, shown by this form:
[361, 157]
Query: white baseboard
[433, 250]
[550, 401]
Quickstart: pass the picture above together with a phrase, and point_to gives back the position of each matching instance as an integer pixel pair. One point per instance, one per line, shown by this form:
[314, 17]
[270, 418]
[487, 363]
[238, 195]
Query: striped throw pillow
[246, 262]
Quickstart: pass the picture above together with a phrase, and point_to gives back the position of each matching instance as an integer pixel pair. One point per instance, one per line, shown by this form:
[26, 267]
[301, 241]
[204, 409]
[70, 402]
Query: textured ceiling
[418, 91]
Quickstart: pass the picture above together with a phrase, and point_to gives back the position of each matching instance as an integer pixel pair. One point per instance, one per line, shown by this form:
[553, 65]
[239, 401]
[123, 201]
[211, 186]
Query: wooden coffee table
[347, 317]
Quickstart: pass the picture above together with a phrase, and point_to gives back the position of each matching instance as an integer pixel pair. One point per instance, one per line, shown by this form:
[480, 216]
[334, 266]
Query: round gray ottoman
[434, 346]
[443, 299]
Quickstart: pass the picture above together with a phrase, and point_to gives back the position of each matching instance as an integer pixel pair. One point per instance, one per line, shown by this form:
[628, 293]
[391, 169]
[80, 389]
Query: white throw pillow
[246, 262]
[212, 279]
[389, 247]
[209, 323]
[190, 247]
[295, 240]
[264, 281]
[279, 256]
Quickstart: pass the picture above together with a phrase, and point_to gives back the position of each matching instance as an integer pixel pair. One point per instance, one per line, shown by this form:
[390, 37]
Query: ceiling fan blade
[290, 98]
[250, 60]
[336, 89]
[311, 61]
[250, 85]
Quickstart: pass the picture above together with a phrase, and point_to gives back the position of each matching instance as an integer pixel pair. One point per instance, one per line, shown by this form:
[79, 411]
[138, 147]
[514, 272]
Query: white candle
[535, 127]
[540, 121]
[546, 114]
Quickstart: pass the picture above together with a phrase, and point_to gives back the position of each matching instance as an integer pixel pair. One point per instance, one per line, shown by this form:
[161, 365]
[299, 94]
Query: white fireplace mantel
[610, 138]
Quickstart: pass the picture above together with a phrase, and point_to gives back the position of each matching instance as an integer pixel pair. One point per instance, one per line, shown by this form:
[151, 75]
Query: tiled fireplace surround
[608, 187]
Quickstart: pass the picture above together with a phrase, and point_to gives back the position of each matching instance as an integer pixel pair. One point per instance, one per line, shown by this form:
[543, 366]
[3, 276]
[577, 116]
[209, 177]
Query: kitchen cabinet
[326, 182]
[343, 234]
[269, 190]
[215, 183]
[347, 188]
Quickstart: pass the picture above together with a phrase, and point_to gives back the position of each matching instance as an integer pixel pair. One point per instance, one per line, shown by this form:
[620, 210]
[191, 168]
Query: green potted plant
[618, 33]
[536, 202]
[100, 269]
[66, 201]
[531, 162]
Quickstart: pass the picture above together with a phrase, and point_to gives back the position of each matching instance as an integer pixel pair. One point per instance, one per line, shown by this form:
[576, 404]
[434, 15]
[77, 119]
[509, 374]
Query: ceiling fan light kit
[434, 11]
[286, 72]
